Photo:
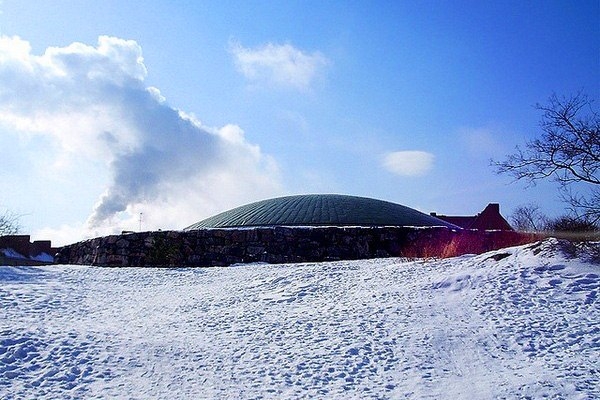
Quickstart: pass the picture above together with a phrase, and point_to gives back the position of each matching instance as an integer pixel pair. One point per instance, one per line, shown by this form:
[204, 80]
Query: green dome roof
[320, 210]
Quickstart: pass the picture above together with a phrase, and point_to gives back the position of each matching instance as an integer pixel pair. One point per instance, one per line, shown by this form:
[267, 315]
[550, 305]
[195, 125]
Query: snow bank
[15, 256]
[519, 322]
[43, 257]
[12, 254]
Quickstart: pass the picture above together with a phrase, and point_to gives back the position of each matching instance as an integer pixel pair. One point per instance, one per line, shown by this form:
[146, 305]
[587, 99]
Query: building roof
[489, 219]
[320, 210]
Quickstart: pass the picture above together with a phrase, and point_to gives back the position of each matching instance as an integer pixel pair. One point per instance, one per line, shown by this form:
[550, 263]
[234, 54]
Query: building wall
[19, 243]
[22, 244]
[222, 247]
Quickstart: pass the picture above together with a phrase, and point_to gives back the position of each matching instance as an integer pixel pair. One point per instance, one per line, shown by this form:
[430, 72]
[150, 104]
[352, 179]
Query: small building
[487, 220]
[19, 250]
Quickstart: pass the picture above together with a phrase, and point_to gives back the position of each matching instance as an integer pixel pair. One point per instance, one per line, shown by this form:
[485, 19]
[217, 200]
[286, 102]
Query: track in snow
[526, 325]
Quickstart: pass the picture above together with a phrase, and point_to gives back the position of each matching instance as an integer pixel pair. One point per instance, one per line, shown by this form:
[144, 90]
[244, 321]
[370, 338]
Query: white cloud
[280, 65]
[93, 103]
[408, 163]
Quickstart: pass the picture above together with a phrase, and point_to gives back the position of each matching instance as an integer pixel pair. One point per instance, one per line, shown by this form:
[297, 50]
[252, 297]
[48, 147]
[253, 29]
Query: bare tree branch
[568, 152]
[528, 218]
[9, 224]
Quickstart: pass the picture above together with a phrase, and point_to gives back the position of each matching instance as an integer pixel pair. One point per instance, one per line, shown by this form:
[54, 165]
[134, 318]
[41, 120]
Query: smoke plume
[93, 103]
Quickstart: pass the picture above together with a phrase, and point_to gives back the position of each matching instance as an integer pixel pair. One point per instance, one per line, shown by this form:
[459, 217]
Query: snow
[522, 322]
[42, 257]
[12, 254]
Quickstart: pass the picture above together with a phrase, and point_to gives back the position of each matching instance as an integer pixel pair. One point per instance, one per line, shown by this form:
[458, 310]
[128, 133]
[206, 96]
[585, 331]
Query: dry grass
[453, 244]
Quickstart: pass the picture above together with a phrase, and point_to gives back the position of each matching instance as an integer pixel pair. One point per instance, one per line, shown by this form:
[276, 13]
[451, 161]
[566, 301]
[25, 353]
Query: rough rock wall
[221, 247]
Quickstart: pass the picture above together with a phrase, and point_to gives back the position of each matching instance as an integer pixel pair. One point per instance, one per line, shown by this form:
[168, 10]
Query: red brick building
[487, 220]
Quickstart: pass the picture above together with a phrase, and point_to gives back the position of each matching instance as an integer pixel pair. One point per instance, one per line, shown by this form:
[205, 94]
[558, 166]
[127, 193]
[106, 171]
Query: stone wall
[222, 247]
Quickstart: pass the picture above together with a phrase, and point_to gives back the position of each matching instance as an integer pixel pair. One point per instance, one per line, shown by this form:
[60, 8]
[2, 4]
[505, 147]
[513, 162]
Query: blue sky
[178, 110]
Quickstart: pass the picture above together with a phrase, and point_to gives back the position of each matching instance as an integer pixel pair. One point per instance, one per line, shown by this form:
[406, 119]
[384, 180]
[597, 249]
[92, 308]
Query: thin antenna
[140, 222]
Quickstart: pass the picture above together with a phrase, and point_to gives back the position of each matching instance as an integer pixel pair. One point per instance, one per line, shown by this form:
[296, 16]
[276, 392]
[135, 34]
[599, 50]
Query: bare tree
[9, 224]
[567, 224]
[568, 152]
[528, 218]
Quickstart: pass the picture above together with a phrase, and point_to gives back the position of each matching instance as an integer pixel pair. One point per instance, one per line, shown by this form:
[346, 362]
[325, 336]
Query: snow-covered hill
[516, 323]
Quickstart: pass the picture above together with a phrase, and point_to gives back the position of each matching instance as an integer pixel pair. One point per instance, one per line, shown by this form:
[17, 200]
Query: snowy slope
[516, 323]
